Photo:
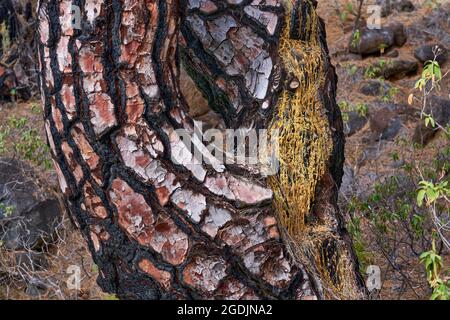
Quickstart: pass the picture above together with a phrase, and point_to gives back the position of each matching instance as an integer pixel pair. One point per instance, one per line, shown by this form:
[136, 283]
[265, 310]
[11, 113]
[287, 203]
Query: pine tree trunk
[165, 229]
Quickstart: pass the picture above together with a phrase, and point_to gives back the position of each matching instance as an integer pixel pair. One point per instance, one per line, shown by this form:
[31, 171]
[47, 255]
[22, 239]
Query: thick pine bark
[112, 103]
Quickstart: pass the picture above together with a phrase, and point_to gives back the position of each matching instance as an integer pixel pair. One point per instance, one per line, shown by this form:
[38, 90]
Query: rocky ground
[388, 151]
[387, 146]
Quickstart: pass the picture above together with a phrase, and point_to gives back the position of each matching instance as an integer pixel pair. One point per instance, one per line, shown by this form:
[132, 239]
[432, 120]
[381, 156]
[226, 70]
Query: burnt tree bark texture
[164, 230]
[17, 50]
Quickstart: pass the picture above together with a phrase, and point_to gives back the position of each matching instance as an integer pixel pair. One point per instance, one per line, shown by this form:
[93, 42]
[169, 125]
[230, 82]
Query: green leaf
[420, 197]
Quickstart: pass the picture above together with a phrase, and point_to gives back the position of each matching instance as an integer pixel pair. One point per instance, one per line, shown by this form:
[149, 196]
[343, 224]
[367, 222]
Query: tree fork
[112, 102]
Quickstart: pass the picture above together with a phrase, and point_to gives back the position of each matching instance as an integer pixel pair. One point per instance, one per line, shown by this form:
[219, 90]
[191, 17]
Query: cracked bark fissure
[112, 103]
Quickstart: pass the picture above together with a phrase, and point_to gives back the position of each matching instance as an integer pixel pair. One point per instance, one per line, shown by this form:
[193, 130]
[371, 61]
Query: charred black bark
[112, 102]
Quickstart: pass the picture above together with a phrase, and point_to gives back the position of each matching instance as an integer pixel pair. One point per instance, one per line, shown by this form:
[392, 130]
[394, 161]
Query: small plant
[430, 192]
[349, 7]
[28, 145]
[417, 223]
[395, 156]
[356, 38]
[372, 72]
[364, 257]
[435, 197]
[390, 94]
[344, 106]
[348, 10]
[376, 70]
[361, 108]
[433, 267]
[6, 210]
[429, 82]
[35, 108]
[431, 72]
[352, 69]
